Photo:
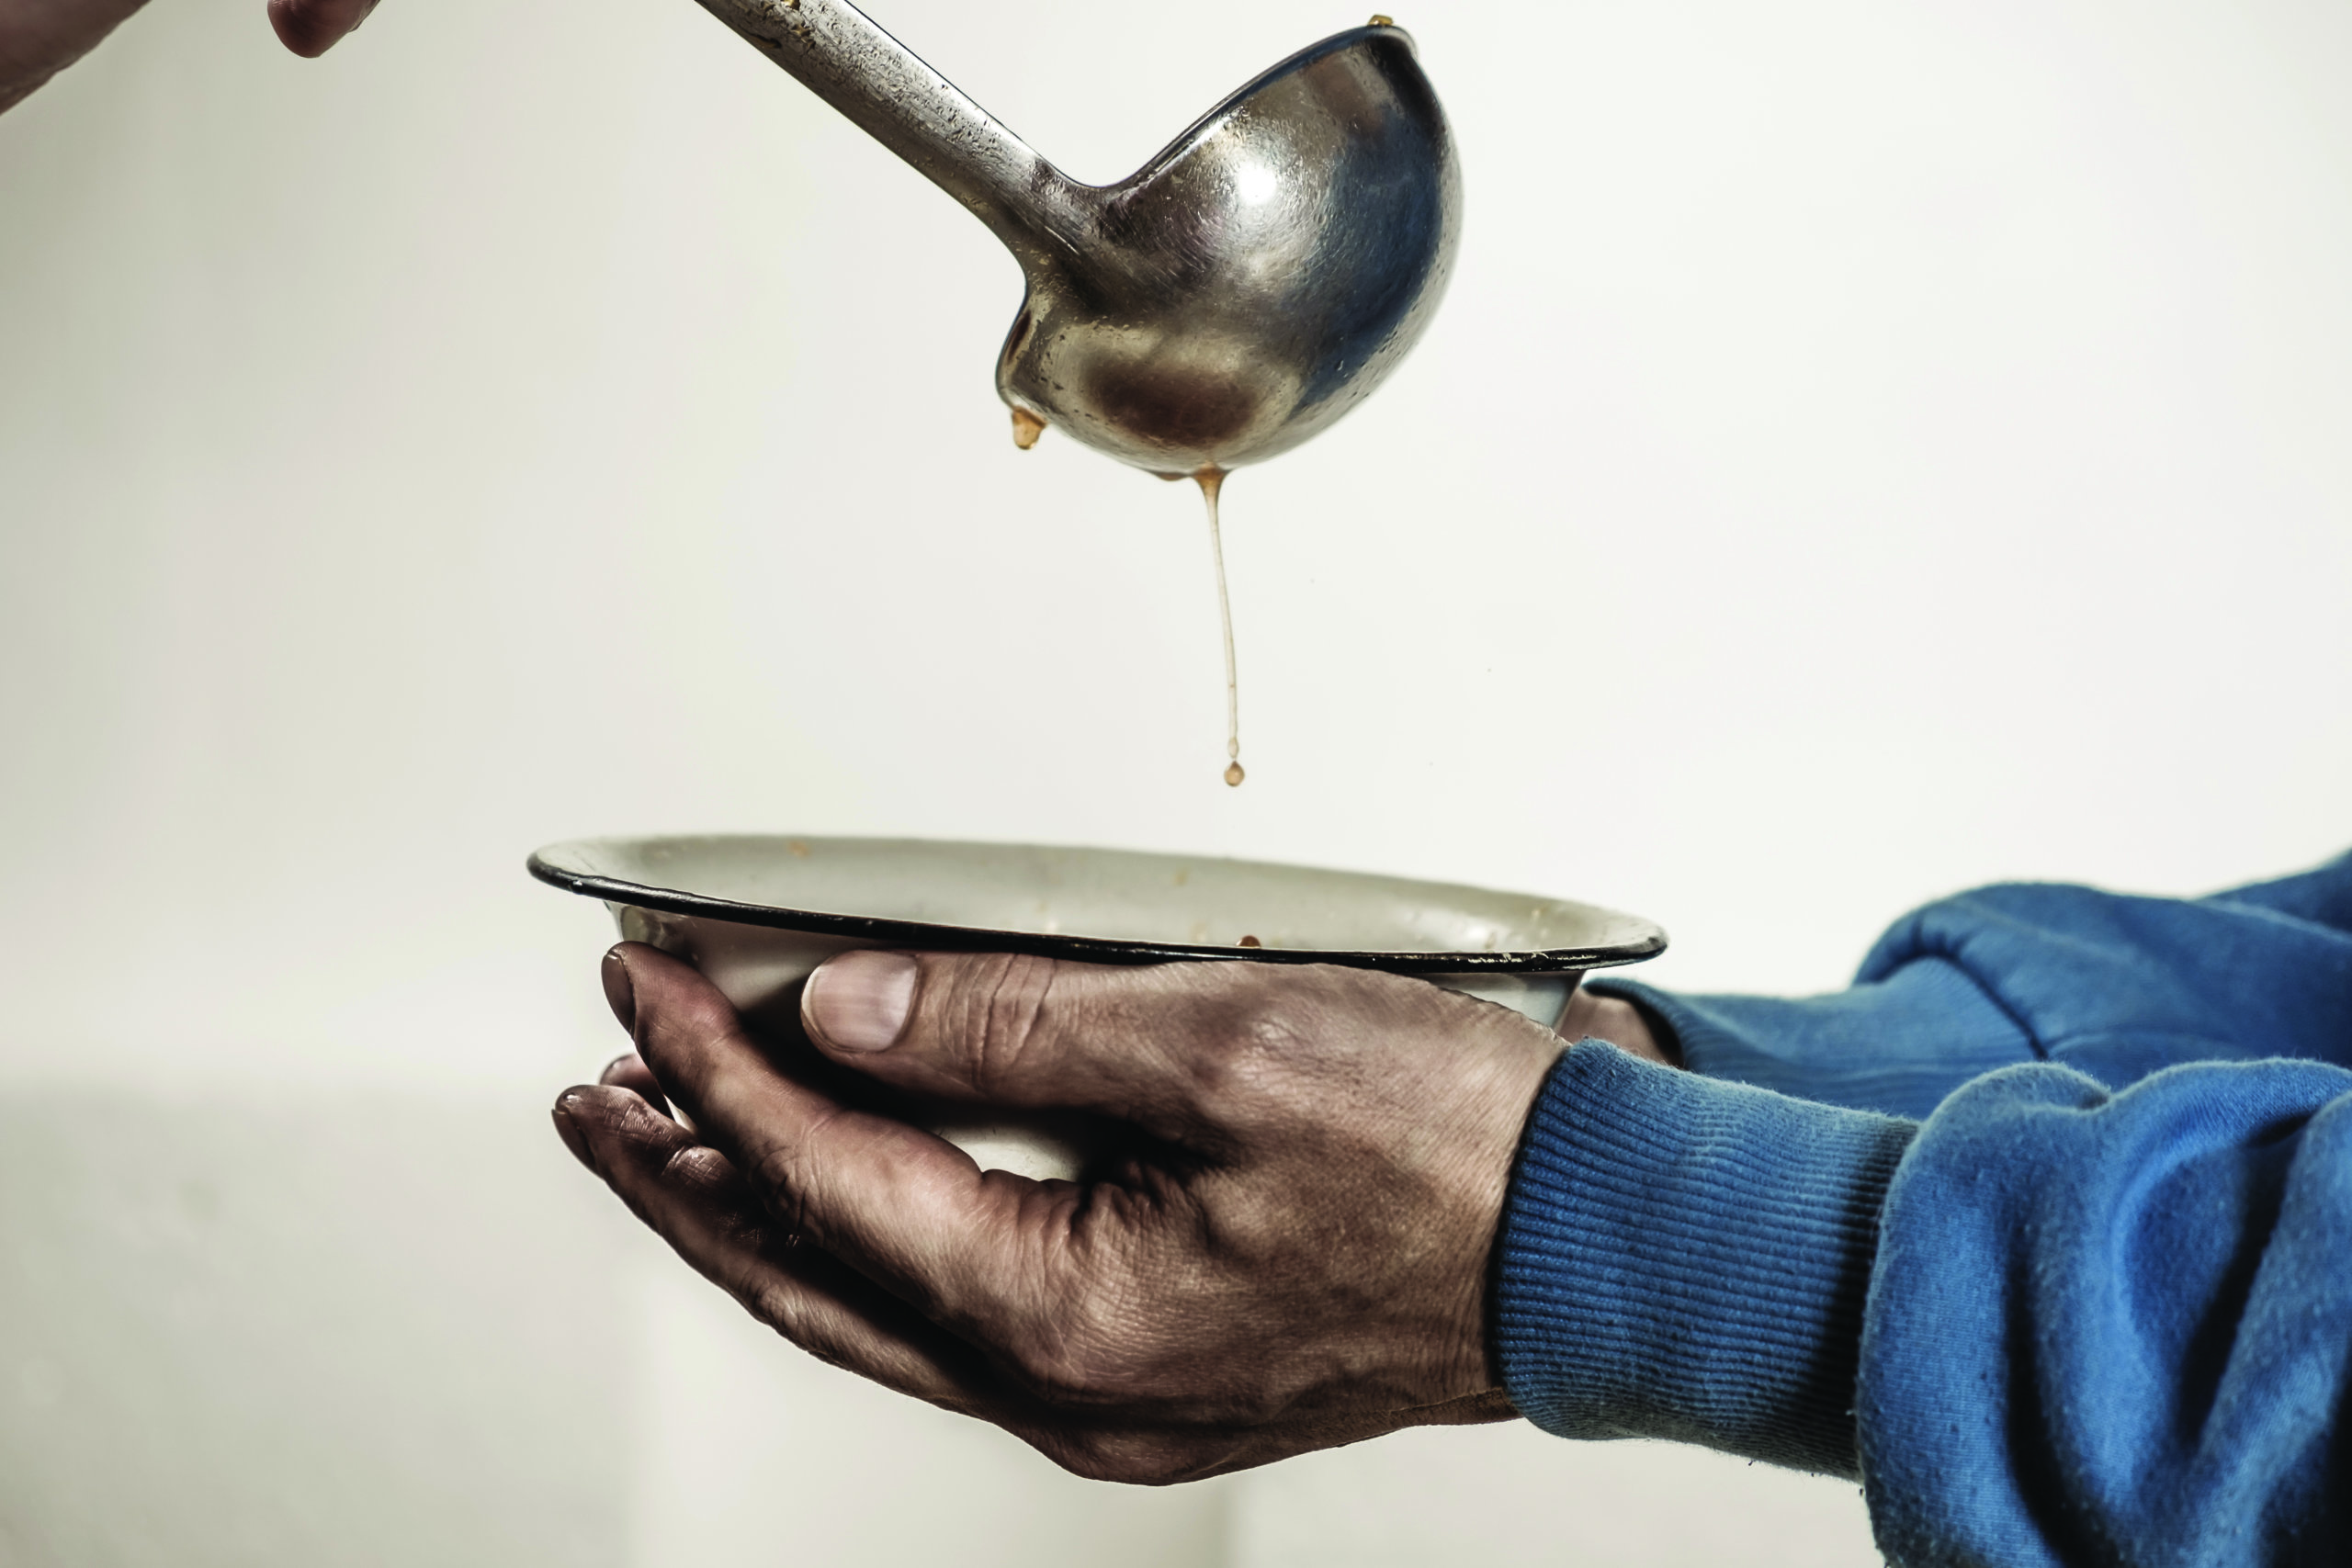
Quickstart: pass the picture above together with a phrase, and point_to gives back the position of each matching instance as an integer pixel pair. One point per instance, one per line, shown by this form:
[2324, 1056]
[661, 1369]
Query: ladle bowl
[1241, 291]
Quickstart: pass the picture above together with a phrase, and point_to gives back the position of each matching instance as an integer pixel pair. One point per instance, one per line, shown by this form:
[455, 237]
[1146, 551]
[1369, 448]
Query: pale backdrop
[1868, 450]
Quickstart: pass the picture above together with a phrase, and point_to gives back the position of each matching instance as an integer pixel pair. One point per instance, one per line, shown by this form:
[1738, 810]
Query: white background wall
[1868, 450]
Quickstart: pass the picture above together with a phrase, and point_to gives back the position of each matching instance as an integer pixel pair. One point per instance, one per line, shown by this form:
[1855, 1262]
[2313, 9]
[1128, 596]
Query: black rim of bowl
[924, 935]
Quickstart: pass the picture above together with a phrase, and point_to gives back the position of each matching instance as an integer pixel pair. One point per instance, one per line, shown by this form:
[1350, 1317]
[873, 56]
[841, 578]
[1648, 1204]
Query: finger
[695, 1199]
[1012, 1029]
[618, 996]
[697, 1202]
[908, 1210]
[37, 42]
[310, 28]
[629, 1072]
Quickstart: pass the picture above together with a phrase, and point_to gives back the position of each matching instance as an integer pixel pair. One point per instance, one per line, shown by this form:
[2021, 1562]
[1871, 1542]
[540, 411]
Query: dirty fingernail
[859, 1001]
[568, 1128]
[620, 992]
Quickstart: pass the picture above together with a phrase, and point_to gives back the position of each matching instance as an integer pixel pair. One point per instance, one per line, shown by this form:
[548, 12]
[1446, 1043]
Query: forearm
[2117, 1329]
[2050, 1326]
[2116, 986]
[1688, 1259]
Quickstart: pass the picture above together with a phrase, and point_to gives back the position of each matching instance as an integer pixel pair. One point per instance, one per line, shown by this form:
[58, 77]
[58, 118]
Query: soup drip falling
[1212, 483]
[1027, 427]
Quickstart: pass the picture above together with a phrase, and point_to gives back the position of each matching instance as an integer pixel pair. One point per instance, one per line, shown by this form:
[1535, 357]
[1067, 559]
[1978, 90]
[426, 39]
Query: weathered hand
[40, 38]
[1294, 1255]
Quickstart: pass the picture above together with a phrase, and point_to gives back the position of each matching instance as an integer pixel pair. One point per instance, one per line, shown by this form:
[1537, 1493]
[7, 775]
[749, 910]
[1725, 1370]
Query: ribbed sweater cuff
[1687, 1258]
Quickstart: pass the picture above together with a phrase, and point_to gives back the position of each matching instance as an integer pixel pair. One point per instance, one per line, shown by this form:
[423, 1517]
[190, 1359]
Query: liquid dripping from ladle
[1211, 482]
[1027, 428]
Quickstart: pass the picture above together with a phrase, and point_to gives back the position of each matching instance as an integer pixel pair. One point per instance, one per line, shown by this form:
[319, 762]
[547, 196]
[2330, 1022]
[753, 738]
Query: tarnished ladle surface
[1239, 292]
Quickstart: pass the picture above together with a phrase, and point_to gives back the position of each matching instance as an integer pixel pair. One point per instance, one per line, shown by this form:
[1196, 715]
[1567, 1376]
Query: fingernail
[569, 1130]
[620, 994]
[859, 1001]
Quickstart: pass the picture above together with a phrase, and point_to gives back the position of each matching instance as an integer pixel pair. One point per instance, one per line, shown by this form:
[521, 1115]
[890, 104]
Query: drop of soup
[1027, 428]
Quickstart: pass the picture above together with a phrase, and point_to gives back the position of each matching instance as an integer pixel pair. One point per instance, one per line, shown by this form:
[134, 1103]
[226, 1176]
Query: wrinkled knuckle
[774, 1304]
[627, 1115]
[1002, 1018]
[777, 1178]
[696, 1167]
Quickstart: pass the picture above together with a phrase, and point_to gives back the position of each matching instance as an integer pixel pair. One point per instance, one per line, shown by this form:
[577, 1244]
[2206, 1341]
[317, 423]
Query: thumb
[310, 28]
[1016, 1030]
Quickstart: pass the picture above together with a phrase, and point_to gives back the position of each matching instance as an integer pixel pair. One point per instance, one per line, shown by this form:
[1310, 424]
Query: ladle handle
[837, 52]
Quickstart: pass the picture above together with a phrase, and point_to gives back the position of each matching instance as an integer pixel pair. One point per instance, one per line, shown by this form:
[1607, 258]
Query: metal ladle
[1236, 294]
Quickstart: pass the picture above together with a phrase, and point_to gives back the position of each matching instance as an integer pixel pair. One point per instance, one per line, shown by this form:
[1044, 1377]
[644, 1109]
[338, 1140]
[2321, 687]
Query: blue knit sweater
[2043, 1230]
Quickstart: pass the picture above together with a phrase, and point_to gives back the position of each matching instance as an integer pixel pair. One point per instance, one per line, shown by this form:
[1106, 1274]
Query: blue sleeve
[2117, 1329]
[2086, 1299]
[2052, 1324]
[2114, 987]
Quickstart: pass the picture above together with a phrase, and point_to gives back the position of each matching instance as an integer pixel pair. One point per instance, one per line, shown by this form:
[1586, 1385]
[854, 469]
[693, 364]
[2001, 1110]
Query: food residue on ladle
[1250, 942]
[1027, 428]
[1212, 480]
